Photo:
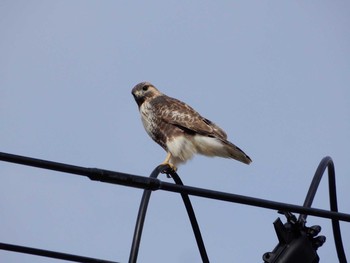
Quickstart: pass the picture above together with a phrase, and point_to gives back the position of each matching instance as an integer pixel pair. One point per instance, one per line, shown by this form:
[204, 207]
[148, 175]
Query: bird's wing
[178, 113]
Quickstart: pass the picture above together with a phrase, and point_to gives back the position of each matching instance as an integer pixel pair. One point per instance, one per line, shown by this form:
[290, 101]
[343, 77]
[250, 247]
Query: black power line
[51, 254]
[152, 183]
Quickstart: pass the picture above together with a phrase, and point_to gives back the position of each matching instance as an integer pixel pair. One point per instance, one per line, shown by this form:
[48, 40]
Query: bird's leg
[166, 162]
[167, 158]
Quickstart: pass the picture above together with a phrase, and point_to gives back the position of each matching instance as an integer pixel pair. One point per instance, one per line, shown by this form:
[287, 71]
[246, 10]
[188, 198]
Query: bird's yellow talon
[166, 162]
[172, 167]
[169, 169]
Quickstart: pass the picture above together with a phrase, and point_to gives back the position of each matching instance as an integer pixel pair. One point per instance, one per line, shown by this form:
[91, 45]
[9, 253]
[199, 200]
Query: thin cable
[325, 163]
[194, 223]
[142, 215]
[334, 207]
[313, 186]
[141, 219]
[51, 254]
[252, 201]
[143, 182]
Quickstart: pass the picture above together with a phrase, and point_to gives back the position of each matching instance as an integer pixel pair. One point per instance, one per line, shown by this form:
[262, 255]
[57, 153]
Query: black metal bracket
[298, 243]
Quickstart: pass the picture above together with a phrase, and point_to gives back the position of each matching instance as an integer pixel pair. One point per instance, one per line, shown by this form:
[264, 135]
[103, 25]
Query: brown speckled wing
[177, 113]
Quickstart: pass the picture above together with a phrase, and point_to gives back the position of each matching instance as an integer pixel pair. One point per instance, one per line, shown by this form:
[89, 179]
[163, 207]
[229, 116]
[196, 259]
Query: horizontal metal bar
[156, 184]
[252, 201]
[93, 173]
[51, 254]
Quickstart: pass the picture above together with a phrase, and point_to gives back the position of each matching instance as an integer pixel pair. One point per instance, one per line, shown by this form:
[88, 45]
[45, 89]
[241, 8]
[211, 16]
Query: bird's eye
[144, 88]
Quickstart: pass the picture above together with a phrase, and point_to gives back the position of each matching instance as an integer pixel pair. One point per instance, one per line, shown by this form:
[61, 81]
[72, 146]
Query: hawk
[180, 130]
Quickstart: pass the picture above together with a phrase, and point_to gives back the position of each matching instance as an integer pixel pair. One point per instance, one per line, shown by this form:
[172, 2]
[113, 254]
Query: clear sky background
[274, 75]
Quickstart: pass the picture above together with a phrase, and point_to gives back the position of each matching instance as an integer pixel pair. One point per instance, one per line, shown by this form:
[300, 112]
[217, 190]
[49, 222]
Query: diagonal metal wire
[326, 163]
[142, 214]
[194, 223]
[141, 219]
[51, 254]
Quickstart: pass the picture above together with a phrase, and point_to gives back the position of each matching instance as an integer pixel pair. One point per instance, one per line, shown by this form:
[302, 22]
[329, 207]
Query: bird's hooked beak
[136, 93]
[138, 96]
[144, 91]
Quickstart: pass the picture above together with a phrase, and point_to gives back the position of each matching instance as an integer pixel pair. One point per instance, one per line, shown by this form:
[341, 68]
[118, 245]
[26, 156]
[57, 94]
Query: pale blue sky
[274, 74]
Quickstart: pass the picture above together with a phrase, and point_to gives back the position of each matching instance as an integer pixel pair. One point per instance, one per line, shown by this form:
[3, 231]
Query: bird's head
[144, 91]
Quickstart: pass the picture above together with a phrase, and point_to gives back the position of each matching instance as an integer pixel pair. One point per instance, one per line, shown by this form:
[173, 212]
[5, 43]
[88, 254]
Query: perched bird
[180, 130]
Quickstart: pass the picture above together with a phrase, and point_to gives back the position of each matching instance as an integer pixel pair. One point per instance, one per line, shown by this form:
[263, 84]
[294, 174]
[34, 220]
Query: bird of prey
[180, 130]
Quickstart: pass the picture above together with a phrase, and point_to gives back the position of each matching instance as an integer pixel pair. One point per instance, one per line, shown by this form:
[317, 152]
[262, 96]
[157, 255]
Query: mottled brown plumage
[180, 130]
